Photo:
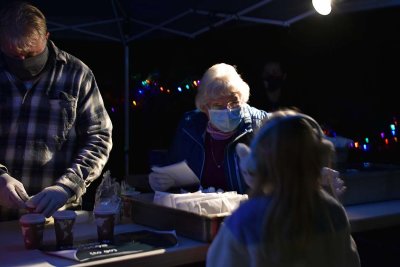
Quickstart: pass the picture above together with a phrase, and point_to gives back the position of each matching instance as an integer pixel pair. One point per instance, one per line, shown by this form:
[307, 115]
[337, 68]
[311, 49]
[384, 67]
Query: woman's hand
[330, 178]
[160, 181]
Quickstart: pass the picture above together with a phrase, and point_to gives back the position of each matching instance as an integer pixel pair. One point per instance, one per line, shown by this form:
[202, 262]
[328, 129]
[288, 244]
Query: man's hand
[49, 200]
[12, 192]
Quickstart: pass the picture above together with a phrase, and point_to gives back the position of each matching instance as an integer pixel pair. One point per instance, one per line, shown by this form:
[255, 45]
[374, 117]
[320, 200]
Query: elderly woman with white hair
[206, 137]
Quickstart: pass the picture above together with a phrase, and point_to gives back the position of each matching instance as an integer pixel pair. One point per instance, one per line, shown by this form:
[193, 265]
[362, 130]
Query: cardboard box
[143, 211]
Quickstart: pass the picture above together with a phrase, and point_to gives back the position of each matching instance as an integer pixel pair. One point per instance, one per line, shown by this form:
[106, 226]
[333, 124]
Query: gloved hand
[12, 192]
[331, 179]
[246, 164]
[49, 200]
[160, 181]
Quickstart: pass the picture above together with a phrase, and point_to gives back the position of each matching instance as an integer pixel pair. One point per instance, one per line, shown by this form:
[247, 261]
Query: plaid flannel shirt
[58, 131]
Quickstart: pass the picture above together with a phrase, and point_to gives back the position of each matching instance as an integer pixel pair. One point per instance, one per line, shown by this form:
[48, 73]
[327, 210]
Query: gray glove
[12, 192]
[246, 163]
[160, 181]
[49, 200]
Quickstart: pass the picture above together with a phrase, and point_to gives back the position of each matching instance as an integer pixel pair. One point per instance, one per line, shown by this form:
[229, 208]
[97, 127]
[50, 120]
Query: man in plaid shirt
[55, 133]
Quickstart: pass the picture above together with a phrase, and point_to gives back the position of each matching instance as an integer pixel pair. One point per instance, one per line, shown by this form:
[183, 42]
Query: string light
[142, 89]
[385, 139]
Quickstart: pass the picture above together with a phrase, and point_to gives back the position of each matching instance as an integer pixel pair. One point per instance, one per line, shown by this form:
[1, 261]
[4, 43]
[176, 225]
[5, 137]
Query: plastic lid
[64, 214]
[104, 210]
[32, 218]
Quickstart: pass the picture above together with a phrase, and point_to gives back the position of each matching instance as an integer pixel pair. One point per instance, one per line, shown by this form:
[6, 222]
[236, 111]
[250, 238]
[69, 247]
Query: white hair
[218, 81]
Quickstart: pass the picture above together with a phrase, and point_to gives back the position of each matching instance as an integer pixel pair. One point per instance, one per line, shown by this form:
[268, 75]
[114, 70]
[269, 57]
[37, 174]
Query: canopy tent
[124, 21]
[128, 20]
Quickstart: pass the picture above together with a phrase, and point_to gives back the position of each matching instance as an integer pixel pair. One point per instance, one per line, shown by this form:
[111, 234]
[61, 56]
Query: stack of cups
[105, 220]
[32, 225]
[63, 224]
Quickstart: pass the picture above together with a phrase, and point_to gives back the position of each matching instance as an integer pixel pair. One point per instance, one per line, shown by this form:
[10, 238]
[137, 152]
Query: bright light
[323, 7]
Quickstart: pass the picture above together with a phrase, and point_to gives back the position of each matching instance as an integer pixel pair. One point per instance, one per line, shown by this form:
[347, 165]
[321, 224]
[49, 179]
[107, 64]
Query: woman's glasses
[229, 105]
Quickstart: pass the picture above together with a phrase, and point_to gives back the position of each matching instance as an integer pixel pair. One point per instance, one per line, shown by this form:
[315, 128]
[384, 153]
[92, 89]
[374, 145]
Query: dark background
[342, 70]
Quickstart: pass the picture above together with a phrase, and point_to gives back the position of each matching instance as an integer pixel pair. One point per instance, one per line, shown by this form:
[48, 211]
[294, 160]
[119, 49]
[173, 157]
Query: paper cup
[126, 208]
[63, 225]
[32, 226]
[105, 220]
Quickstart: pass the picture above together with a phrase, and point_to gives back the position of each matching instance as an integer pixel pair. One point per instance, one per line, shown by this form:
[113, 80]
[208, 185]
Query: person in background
[273, 94]
[289, 219]
[55, 133]
[206, 137]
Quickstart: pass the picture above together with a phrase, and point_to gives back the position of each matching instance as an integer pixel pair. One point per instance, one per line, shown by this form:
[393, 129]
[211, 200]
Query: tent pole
[126, 109]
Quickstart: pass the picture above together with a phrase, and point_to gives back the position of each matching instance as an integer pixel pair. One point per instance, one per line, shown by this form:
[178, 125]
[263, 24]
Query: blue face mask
[225, 120]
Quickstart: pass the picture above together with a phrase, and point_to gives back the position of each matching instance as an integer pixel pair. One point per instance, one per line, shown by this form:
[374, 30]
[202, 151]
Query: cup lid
[32, 218]
[64, 214]
[101, 210]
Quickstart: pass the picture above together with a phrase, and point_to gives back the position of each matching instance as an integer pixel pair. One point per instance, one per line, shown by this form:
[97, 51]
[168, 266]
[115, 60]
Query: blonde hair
[218, 81]
[289, 152]
[22, 25]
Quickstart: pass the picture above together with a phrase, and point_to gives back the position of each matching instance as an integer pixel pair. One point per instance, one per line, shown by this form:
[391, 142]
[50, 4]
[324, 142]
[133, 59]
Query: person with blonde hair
[289, 220]
[206, 137]
[55, 132]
